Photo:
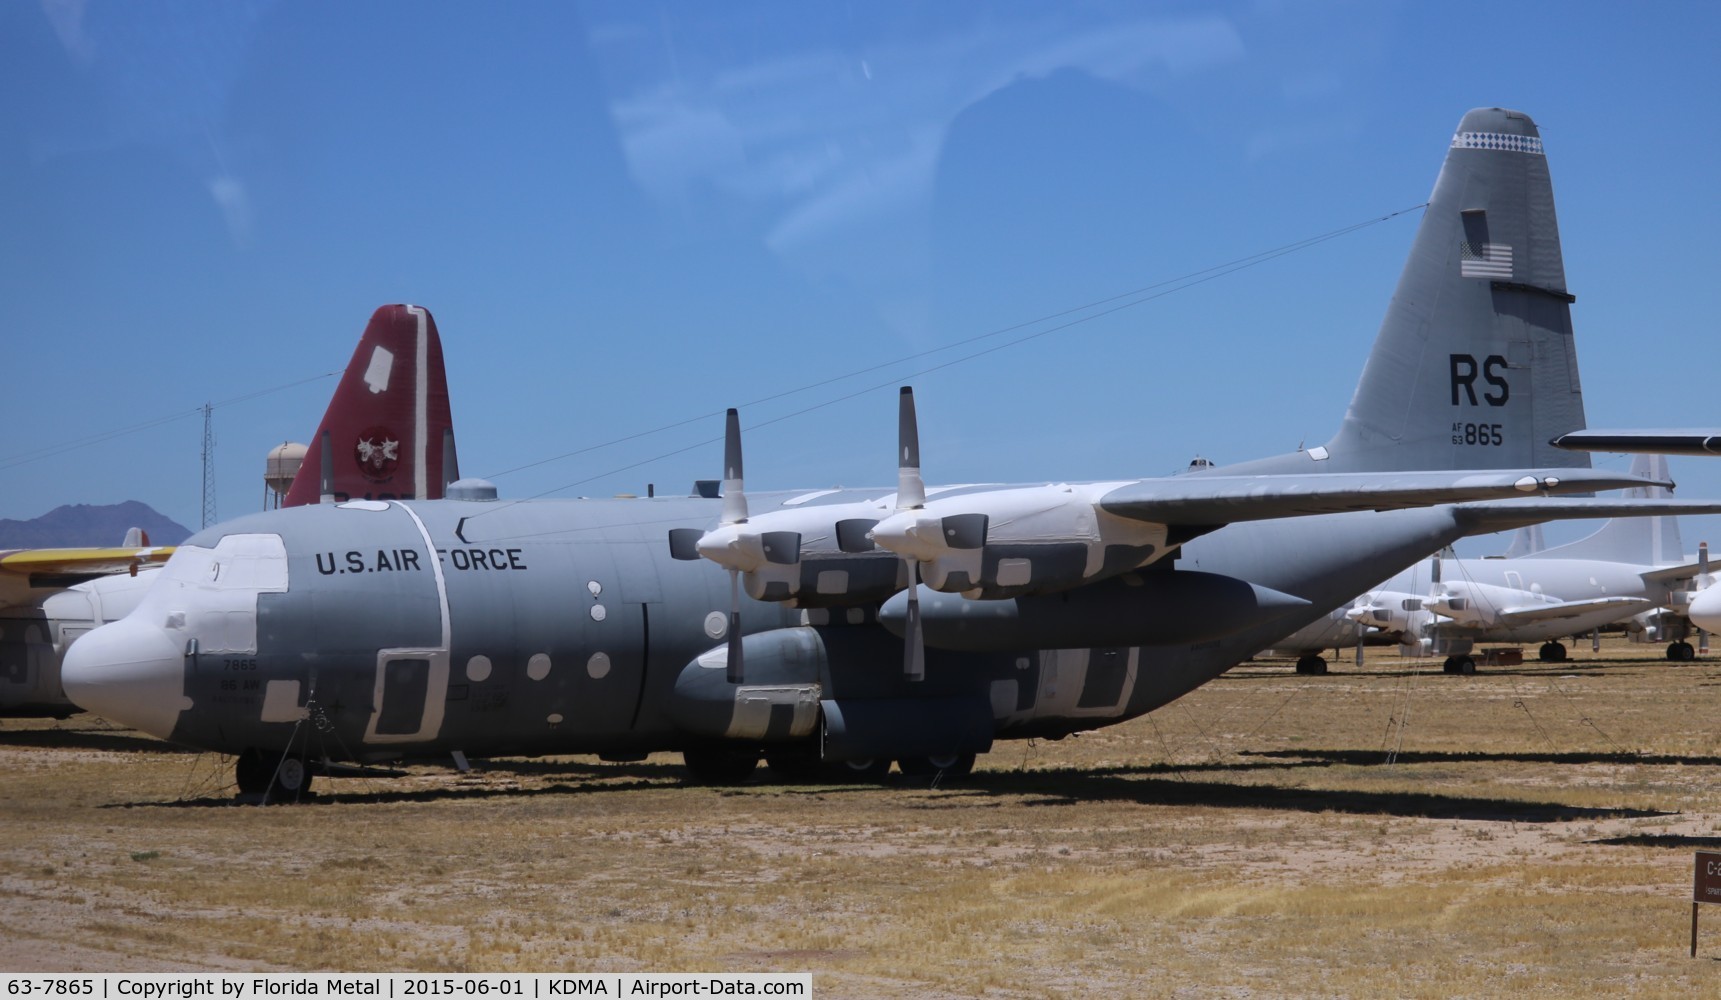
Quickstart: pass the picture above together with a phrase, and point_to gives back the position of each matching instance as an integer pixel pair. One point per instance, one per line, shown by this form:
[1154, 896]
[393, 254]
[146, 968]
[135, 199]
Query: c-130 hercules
[371, 631]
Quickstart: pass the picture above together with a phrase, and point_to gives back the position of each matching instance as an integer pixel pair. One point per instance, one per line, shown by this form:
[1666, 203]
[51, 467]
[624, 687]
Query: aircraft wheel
[1466, 665]
[866, 770]
[719, 765]
[949, 765]
[292, 779]
[1315, 665]
[1552, 652]
[1681, 652]
[268, 774]
[795, 763]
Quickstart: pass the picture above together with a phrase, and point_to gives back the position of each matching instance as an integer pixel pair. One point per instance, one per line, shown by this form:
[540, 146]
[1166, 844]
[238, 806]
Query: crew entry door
[410, 693]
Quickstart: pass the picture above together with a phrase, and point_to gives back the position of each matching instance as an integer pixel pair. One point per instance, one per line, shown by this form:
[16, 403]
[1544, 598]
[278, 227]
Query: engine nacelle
[780, 701]
[1166, 607]
[1009, 543]
[812, 557]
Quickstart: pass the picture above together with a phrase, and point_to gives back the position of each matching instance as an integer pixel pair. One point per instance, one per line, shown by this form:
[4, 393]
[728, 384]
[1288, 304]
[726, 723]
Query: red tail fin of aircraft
[388, 433]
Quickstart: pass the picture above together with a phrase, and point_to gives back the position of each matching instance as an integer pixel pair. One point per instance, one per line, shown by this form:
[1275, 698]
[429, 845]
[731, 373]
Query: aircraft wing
[1201, 500]
[28, 575]
[1488, 516]
[1660, 441]
[1528, 613]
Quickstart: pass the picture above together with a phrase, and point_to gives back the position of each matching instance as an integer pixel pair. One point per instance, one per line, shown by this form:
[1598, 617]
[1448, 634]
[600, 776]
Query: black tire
[1681, 652]
[943, 766]
[275, 777]
[251, 773]
[1552, 652]
[1450, 666]
[1466, 665]
[1312, 665]
[719, 765]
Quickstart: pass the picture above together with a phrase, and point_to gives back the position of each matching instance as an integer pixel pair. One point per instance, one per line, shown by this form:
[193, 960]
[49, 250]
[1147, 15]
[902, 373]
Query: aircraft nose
[128, 672]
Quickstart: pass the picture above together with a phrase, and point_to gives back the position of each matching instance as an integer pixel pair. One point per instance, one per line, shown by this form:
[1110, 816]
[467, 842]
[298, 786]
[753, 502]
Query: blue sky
[625, 215]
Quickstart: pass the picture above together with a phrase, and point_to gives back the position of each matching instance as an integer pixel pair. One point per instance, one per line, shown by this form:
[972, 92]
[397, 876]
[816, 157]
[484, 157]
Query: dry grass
[1388, 831]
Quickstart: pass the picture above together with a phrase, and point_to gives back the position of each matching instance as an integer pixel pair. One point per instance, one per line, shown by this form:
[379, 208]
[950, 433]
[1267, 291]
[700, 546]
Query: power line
[47, 451]
[1134, 297]
[1169, 285]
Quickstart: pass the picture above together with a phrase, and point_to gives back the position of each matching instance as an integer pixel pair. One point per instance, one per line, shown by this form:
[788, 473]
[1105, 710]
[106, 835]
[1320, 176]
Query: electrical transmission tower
[208, 465]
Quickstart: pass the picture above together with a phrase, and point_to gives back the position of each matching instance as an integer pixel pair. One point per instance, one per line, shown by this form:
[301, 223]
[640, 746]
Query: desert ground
[1387, 830]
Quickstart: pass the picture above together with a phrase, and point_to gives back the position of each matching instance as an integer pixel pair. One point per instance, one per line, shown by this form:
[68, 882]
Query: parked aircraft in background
[1704, 606]
[1627, 567]
[29, 575]
[387, 433]
[379, 630]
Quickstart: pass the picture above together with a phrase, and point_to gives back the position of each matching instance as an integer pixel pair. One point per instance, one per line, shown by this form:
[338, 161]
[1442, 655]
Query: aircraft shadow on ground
[1149, 784]
[1071, 787]
[1376, 757]
[390, 796]
[1671, 840]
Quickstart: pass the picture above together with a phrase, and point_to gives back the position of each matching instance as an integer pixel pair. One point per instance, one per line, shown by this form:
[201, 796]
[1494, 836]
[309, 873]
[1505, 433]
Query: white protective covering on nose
[129, 672]
[133, 671]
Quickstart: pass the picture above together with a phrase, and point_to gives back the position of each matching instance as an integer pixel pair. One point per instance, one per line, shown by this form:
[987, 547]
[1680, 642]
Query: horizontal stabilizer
[1660, 441]
[1215, 500]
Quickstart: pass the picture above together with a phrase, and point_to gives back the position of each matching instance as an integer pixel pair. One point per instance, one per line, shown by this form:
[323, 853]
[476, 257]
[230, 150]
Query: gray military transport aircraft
[370, 631]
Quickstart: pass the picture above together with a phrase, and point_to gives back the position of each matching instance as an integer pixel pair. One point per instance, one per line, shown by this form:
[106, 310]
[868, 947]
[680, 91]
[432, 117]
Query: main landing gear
[718, 765]
[1314, 663]
[1552, 652]
[1681, 652]
[1462, 664]
[275, 777]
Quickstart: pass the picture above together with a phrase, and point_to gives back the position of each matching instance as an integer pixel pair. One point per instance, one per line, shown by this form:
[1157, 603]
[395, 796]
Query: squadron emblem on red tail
[377, 453]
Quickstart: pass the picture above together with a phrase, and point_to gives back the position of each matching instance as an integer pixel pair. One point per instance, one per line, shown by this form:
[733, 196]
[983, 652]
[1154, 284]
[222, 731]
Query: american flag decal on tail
[1484, 260]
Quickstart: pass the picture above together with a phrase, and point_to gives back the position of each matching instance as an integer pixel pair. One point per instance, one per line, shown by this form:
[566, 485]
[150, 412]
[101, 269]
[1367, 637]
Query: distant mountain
[86, 524]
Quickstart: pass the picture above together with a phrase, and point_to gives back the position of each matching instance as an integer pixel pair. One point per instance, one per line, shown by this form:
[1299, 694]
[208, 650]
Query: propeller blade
[735, 672]
[910, 488]
[734, 495]
[913, 644]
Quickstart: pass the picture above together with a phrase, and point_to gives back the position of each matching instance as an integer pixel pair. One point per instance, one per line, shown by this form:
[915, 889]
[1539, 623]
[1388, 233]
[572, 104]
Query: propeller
[1361, 628]
[1703, 582]
[910, 495]
[735, 546]
[734, 513]
[920, 537]
[1434, 594]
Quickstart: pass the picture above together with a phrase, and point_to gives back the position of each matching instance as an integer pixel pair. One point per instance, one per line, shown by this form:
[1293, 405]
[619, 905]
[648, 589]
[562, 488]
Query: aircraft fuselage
[380, 631]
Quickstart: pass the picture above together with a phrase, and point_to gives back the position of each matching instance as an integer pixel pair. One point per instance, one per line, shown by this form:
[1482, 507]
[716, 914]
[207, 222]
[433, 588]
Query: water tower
[278, 471]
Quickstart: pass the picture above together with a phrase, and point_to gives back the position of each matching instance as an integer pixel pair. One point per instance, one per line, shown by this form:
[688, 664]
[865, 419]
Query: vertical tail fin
[388, 432]
[1474, 365]
[1526, 541]
[1644, 541]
